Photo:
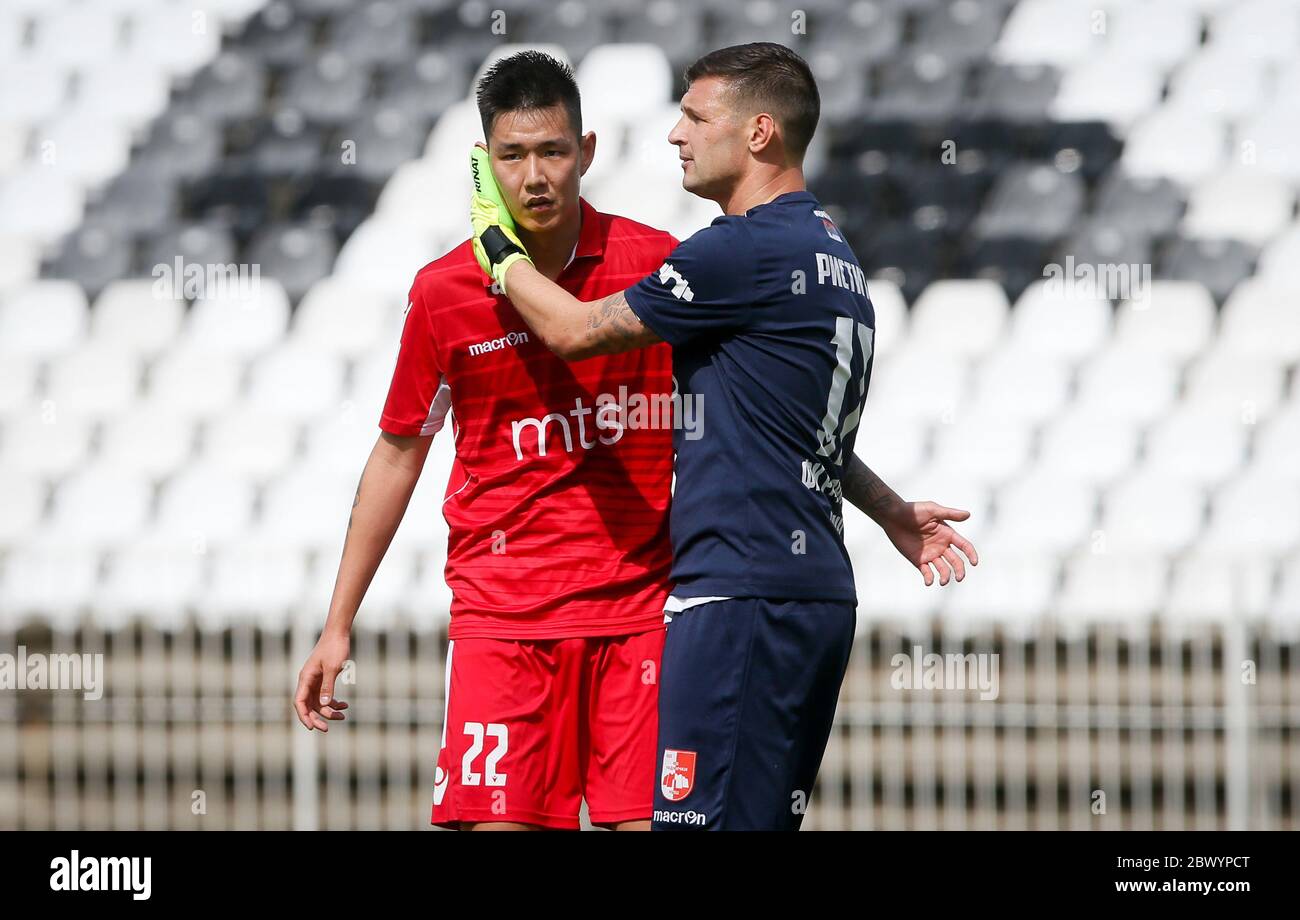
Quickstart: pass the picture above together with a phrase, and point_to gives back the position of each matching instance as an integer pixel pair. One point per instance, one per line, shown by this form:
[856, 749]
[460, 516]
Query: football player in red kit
[558, 554]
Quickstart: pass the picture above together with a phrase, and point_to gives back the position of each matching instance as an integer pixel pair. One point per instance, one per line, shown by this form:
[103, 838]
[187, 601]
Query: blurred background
[1078, 222]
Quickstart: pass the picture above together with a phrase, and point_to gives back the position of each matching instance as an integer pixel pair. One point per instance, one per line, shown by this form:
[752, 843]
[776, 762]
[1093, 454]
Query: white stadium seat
[1021, 385]
[1261, 318]
[1046, 512]
[892, 317]
[1149, 513]
[1257, 515]
[1242, 386]
[1244, 205]
[308, 508]
[149, 439]
[159, 578]
[31, 89]
[253, 581]
[1112, 588]
[22, 495]
[42, 318]
[1053, 32]
[135, 315]
[1177, 144]
[1059, 323]
[17, 383]
[253, 444]
[1197, 446]
[891, 442]
[988, 448]
[1129, 383]
[1221, 82]
[205, 506]
[1173, 319]
[1090, 446]
[1117, 90]
[94, 380]
[100, 506]
[912, 377]
[241, 318]
[50, 580]
[1265, 30]
[294, 382]
[1157, 32]
[960, 317]
[195, 381]
[45, 441]
[1012, 591]
[344, 319]
[1277, 445]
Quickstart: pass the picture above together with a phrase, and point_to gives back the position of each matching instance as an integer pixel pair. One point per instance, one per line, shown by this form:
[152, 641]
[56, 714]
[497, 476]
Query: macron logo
[681, 288]
[505, 341]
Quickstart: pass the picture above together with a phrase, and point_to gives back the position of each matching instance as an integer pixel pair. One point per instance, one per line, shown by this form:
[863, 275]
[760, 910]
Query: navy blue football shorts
[747, 694]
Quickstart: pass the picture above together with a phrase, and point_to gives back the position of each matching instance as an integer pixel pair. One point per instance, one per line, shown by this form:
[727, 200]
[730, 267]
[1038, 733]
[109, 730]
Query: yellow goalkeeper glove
[496, 246]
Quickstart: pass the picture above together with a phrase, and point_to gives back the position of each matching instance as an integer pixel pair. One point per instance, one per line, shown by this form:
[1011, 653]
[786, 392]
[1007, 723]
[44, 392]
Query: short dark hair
[528, 80]
[773, 78]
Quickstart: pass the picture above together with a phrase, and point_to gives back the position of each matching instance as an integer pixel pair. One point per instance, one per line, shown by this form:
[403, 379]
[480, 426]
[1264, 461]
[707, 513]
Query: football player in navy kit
[772, 329]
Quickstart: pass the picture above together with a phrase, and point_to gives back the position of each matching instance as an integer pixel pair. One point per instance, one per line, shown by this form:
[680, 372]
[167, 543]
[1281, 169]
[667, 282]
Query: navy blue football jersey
[772, 331]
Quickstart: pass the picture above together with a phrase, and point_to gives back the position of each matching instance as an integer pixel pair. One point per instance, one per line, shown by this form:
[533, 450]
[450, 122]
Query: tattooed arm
[572, 328]
[868, 491]
[919, 530]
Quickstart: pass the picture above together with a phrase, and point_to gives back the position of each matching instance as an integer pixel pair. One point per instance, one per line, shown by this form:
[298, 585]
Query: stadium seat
[1172, 319]
[1197, 446]
[1112, 588]
[1239, 205]
[251, 444]
[199, 382]
[130, 316]
[1128, 383]
[99, 506]
[960, 317]
[148, 439]
[1089, 444]
[94, 380]
[1260, 320]
[1150, 513]
[205, 506]
[42, 318]
[23, 496]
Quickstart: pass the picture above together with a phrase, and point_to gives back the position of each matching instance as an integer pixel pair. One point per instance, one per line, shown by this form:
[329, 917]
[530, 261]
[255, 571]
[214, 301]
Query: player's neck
[760, 187]
[550, 251]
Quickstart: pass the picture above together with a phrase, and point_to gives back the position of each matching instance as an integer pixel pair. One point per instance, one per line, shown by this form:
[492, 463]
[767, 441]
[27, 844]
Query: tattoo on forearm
[613, 319]
[356, 500]
[865, 489]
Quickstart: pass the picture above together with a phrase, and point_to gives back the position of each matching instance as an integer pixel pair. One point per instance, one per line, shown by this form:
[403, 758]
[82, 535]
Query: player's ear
[762, 132]
[587, 152]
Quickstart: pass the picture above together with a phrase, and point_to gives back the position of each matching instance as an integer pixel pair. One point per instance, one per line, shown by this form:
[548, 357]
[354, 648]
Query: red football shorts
[531, 727]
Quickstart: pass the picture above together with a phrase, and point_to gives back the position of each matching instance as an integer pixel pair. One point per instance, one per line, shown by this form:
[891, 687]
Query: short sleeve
[418, 397]
[704, 288]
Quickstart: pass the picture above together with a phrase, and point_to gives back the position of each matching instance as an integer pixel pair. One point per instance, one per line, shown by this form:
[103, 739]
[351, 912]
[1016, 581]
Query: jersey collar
[803, 195]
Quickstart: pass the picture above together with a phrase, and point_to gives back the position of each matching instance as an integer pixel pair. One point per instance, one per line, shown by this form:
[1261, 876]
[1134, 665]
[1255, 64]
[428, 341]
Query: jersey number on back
[850, 337]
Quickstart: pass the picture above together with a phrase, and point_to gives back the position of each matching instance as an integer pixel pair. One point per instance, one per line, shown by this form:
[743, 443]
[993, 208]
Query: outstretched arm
[572, 328]
[918, 530]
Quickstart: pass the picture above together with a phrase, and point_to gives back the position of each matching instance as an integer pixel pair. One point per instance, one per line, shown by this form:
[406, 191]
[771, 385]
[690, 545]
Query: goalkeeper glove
[496, 246]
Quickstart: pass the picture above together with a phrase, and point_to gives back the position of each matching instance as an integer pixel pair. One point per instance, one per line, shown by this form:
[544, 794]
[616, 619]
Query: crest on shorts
[677, 778]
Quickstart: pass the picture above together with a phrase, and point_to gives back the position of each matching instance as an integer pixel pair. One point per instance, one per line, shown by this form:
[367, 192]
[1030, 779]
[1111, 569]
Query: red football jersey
[558, 498]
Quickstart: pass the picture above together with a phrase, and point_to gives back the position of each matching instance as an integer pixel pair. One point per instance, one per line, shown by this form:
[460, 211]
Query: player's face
[537, 159]
[711, 140]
